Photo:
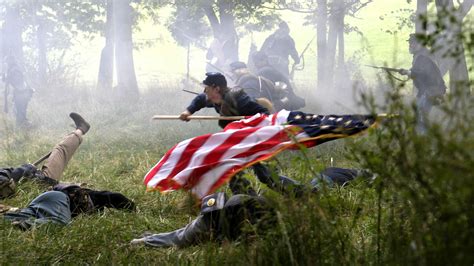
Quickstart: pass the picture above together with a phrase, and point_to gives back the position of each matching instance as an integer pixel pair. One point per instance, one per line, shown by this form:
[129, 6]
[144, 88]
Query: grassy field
[418, 212]
[122, 145]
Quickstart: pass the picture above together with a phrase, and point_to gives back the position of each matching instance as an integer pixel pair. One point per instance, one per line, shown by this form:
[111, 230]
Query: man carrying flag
[204, 163]
[231, 102]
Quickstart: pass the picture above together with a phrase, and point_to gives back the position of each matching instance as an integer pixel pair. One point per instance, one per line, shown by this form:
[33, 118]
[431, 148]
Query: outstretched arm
[293, 52]
[198, 103]
[199, 230]
[108, 199]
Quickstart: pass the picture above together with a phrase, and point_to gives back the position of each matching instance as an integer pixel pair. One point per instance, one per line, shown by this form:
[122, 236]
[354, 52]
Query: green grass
[122, 145]
[420, 210]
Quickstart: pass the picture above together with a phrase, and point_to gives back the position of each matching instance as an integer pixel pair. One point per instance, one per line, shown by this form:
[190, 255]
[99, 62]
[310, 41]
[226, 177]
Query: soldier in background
[22, 92]
[427, 79]
[257, 87]
[278, 47]
[290, 101]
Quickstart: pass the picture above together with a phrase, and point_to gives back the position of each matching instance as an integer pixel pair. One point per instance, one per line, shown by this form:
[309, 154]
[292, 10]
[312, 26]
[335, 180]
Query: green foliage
[425, 181]
[417, 211]
[188, 27]
[188, 24]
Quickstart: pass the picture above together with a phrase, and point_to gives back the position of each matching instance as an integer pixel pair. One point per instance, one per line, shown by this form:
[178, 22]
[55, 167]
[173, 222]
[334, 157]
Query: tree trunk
[340, 41]
[449, 48]
[342, 77]
[223, 28]
[106, 67]
[421, 16]
[322, 20]
[213, 20]
[231, 46]
[126, 78]
[11, 35]
[42, 54]
[334, 25]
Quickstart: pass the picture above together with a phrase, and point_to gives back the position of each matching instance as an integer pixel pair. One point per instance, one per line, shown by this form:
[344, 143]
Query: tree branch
[465, 7]
[213, 20]
[284, 7]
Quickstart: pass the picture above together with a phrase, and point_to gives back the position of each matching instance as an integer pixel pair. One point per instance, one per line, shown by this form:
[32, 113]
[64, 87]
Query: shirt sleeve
[198, 103]
[199, 230]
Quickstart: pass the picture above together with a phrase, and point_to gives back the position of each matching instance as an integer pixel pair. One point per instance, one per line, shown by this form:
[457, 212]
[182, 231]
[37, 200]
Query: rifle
[187, 84]
[293, 68]
[40, 160]
[192, 92]
[390, 69]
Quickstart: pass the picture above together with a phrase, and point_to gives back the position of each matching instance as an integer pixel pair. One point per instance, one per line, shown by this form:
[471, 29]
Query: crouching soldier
[220, 219]
[226, 101]
[257, 87]
[288, 97]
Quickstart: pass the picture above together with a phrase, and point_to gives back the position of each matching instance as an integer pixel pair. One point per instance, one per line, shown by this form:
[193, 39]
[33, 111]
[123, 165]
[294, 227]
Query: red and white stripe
[260, 120]
[204, 163]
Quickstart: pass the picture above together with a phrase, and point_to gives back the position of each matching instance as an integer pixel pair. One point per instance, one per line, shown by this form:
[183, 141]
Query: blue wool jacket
[235, 102]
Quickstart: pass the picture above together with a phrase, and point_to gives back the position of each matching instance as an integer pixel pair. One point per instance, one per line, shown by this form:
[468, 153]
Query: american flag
[202, 164]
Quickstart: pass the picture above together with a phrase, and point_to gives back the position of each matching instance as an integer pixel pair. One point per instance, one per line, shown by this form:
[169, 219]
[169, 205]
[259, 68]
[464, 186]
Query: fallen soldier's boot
[81, 124]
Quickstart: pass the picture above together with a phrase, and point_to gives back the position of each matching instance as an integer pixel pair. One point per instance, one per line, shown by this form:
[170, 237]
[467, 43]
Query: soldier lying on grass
[227, 219]
[64, 201]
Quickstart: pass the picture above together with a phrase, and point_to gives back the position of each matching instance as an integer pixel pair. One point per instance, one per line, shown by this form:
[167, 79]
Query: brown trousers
[61, 154]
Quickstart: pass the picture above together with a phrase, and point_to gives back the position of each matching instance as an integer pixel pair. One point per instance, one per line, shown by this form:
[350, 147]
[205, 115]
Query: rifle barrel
[384, 68]
[192, 92]
[40, 160]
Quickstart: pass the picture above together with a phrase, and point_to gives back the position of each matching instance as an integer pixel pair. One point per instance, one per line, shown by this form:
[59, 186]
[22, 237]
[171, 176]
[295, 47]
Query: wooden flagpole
[205, 117]
[197, 117]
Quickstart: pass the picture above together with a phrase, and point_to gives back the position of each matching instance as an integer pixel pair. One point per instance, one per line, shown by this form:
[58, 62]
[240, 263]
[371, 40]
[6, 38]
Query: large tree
[328, 16]
[123, 21]
[321, 31]
[448, 45]
[105, 77]
[12, 41]
[222, 16]
[34, 29]
[443, 30]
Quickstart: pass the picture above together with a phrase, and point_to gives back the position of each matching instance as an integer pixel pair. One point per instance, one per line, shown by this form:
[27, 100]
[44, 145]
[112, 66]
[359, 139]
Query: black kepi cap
[215, 79]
